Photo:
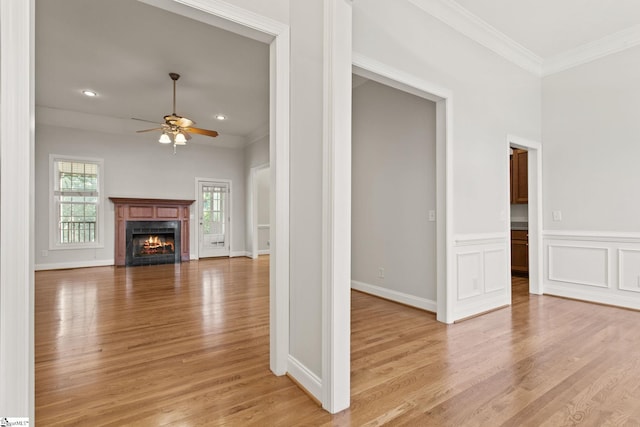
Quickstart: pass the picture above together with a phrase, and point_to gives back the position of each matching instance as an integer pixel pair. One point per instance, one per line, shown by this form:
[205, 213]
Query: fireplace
[157, 214]
[152, 242]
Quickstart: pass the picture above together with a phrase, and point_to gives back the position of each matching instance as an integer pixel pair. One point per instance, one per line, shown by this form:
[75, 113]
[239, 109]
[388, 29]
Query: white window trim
[53, 217]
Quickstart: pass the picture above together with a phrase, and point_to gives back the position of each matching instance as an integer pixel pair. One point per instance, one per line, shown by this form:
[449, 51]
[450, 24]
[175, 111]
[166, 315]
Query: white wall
[305, 344]
[134, 166]
[591, 137]
[491, 98]
[256, 154]
[263, 188]
[393, 189]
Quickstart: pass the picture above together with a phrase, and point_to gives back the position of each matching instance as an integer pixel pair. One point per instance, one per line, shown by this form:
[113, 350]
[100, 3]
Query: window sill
[76, 246]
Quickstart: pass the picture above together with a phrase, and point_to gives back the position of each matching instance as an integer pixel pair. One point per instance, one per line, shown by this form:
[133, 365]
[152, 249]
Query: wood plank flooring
[188, 345]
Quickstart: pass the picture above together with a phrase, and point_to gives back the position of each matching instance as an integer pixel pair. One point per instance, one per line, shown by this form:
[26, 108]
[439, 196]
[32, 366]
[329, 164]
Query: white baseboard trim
[413, 301]
[264, 252]
[617, 300]
[236, 254]
[74, 264]
[307, 379]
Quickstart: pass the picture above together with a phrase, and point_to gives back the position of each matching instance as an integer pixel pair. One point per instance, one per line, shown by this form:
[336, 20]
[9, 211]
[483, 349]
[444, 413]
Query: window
[76, 217]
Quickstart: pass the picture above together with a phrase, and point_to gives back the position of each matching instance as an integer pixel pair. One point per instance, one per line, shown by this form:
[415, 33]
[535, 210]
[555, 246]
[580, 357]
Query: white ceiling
[553, 27]
[124, 50]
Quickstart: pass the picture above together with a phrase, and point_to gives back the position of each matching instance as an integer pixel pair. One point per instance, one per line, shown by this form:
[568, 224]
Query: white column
[16, 207]
[336, 221]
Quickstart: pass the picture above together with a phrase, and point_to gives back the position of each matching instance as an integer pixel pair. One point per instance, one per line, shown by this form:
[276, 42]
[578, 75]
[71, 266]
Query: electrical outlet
[381, 273]
[432, 215]
[44, 253]
[557, 215]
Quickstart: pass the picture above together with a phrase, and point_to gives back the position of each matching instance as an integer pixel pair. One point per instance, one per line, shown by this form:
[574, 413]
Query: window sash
[76, 201]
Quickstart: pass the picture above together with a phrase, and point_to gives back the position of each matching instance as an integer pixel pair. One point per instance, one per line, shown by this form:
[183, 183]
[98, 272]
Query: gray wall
[492, 97]
[591, 147]
[393, 189]
[134, 166]
[307, 93]
[591, 137]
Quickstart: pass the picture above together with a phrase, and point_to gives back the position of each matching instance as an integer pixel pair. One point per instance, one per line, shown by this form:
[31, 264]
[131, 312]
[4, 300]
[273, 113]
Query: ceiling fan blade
[149, 130]
[206, 132]
[183, 122]
[143, 120]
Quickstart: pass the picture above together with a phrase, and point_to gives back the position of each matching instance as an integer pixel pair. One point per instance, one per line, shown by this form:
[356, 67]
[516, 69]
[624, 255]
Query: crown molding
[588, 52]
[465, 22]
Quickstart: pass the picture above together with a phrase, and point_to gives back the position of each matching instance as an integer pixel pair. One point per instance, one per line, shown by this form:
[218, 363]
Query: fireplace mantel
[137, 209]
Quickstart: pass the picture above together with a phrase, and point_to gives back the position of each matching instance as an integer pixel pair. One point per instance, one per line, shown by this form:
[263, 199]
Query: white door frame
[534, 169]
[17, 115]
[443, 98]
[253, 209]
[17, 112]
[197, 214]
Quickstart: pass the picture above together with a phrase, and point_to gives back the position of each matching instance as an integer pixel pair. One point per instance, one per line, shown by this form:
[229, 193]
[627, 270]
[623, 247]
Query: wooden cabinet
[519, 173]
[520, 251]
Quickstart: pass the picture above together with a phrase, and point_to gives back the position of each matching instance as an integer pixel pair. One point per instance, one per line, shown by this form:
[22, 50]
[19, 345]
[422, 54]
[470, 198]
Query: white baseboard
[74, 264]
[596, 297]
[307, 379]
[235, 254]
[264, 252]
[413, 301]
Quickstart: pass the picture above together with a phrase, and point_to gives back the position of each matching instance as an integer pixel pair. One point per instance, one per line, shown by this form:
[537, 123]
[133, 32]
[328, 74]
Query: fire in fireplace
[152, 242]
[153, 245]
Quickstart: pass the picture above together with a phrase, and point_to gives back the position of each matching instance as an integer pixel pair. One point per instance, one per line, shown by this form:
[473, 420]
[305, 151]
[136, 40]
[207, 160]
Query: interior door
[213, 233]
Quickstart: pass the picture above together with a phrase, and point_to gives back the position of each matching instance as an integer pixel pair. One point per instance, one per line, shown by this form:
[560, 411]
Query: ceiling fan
[177, 129]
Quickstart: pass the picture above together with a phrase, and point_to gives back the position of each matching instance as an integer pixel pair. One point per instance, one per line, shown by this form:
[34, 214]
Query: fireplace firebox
[152, 242]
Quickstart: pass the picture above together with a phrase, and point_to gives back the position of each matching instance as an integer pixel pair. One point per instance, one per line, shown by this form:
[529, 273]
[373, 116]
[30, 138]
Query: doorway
[18, 265]
[214, 218]
[393, 232]
[260, 221]
[443, 215]
[524, 221]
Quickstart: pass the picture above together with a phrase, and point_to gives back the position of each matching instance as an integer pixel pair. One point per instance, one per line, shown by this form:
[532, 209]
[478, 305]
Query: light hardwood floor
[187, 345]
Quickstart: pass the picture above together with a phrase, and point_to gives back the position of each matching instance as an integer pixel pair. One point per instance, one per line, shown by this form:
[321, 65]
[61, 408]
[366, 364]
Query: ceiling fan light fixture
[180, 139]
[164, 139]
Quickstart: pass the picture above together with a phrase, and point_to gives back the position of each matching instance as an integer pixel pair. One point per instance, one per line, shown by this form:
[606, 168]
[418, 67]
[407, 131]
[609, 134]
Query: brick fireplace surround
[135, 209]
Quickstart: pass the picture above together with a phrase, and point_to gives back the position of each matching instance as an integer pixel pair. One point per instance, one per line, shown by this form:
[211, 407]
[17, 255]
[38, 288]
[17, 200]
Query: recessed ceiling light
[221, 117]
[89, 93]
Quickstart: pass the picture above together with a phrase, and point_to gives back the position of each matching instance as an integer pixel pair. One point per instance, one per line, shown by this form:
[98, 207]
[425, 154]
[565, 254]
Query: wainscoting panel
[579, 264]
[494, 262]
[629, 269]
[593, 266]
[469, 274]
[481, 274]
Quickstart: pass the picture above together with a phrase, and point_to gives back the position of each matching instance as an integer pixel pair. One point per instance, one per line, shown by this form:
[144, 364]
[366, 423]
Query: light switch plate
[432, 215]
